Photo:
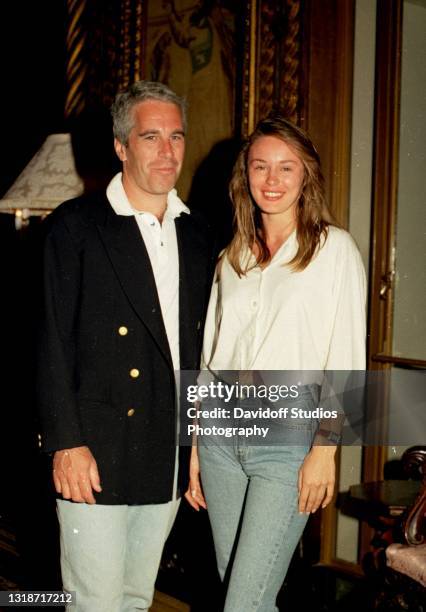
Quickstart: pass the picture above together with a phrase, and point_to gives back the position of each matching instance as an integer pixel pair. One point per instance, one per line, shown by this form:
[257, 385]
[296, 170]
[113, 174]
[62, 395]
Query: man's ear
[120, 149]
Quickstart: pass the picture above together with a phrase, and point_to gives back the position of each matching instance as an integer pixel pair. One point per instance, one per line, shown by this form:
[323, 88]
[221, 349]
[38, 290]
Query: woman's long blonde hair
[312, 214]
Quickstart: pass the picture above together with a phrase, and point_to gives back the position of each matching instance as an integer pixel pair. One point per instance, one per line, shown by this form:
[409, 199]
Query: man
[126, 282]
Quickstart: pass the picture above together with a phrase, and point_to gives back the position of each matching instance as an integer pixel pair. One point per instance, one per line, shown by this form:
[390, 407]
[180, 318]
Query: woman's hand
[317, 476]
[194, 494]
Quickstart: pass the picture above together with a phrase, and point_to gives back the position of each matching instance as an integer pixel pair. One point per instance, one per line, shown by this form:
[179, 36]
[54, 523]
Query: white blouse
[278, 319]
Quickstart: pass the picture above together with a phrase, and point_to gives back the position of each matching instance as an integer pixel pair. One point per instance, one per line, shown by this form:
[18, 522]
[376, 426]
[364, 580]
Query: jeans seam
[284, 525]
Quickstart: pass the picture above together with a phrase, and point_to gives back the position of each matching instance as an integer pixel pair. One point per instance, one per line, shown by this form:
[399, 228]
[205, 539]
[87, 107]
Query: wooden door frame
[385, 177]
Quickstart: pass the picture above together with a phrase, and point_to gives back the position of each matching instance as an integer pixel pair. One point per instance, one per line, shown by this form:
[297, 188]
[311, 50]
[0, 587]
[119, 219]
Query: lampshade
[48, 179]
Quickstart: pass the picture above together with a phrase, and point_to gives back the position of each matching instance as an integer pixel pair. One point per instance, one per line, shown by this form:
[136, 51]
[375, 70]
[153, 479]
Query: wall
[32, 78]
[409, 337]
[410, 280]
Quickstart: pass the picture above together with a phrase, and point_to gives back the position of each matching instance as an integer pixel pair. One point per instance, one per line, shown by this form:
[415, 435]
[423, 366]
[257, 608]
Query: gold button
[131, 412]
[134, 372]
[123, 331]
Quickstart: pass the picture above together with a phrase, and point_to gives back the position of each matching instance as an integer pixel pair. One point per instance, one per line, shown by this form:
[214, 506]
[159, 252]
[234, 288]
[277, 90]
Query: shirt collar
[119, 201]
[285, 253]
[287, 250]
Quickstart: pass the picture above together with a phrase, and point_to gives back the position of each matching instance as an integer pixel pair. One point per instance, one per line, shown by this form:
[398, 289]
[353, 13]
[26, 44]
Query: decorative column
[272, 66]
[289, 88]
[76, 60]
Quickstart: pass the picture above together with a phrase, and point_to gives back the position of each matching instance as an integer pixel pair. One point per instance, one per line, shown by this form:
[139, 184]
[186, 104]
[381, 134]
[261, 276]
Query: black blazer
[98, 279]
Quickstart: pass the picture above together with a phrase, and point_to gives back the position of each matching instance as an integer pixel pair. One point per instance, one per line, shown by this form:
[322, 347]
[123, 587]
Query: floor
[10, 572]
[187, 576]
[165, 603]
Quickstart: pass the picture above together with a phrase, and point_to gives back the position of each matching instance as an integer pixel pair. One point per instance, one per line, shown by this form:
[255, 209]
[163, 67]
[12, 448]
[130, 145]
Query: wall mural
[191, 46]
[233, 61]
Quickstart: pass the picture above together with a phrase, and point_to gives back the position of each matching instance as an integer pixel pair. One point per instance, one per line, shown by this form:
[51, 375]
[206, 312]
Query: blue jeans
[110, 555]
[252, 500]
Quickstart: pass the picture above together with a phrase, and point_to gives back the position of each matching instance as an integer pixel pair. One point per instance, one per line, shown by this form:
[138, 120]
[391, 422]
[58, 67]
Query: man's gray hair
[141, 91]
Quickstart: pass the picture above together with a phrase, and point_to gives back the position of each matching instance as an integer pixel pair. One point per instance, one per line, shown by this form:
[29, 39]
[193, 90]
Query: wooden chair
[405, 574]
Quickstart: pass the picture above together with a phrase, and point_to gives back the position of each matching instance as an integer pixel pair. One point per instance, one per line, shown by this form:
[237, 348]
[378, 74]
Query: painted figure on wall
[190, 47]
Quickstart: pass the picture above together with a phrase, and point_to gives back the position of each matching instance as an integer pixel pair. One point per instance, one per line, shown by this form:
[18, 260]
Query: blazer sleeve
[56, 376]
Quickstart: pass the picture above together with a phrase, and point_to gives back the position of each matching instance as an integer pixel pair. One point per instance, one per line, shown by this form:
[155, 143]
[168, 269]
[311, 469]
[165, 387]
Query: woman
[289, 295]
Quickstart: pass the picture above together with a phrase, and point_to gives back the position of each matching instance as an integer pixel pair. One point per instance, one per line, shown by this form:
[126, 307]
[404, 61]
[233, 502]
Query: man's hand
[75, 474]
[194, 494]
[317, 478]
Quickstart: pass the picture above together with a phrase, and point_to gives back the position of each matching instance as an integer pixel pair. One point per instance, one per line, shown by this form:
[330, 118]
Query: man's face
[152, 159]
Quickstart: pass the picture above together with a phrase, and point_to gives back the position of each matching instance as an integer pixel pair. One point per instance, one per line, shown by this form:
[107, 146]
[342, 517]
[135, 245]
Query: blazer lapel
[129, 258]
[192, 272]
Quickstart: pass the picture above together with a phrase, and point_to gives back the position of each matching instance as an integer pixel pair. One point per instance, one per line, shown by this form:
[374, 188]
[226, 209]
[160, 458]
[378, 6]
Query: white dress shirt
[161, 243]
[278, 319]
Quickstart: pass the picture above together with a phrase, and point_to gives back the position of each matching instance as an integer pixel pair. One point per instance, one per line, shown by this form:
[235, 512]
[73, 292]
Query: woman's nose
[272, 177]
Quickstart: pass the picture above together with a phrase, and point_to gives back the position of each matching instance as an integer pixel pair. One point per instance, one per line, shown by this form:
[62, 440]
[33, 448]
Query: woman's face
[275, 175]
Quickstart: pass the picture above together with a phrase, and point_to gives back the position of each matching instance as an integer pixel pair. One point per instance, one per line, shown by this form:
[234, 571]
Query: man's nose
[166, 148]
